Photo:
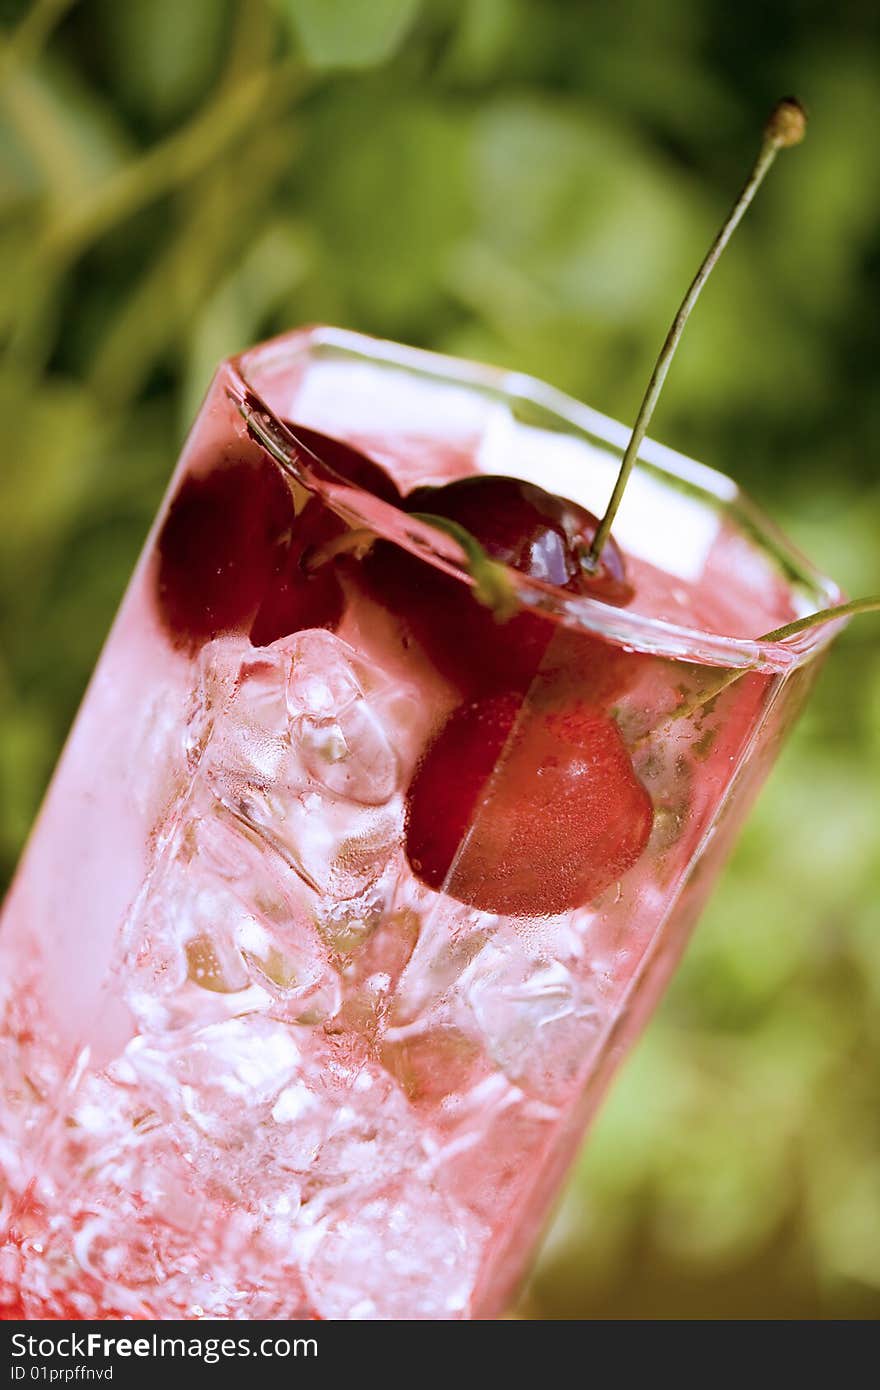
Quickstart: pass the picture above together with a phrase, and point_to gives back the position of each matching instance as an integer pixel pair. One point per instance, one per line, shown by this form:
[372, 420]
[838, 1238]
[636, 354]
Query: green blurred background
[530, 182]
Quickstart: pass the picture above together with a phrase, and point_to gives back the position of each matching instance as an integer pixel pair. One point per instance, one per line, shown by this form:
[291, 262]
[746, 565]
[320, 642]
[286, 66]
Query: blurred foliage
[530, 182]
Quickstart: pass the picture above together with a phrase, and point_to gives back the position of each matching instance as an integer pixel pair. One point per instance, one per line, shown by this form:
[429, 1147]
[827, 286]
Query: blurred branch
[175, 161]
[236, 107]
[28, 40]
[176, 284]
[254, 34]
[50, 136]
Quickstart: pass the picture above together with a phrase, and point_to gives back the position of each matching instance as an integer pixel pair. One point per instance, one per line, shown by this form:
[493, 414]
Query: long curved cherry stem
[785, 127]
[869, 604]
[492, 585]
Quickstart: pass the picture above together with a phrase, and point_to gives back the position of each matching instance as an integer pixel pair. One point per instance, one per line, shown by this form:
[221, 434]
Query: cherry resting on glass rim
[536, 533]
[233, 552]
[530, 812]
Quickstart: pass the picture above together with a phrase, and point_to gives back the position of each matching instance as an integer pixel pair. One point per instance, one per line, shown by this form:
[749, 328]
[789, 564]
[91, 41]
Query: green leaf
[350, 33]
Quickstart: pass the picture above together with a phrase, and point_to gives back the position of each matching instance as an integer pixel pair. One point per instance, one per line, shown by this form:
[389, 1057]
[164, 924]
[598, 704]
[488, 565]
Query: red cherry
[310, 595]
[301, 597]
[223, 542]
[232, 551]
[536, 533]
[525, 811]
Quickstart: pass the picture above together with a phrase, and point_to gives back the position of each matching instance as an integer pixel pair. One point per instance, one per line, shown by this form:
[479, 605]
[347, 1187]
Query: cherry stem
[869, 604]
[785, 126]
[492, 586]
[698, 701]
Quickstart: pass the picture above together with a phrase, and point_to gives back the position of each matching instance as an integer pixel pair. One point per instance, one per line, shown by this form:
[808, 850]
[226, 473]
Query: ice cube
[288, 966]
[217, 674]
[225, 1080]
[372, 971]
[183, 967]
[250, 746]
[334, 699]
[303, 759]
[434, 1061]
[450, 939]
[484, 1141]
[345, 925]
[374, 1135]
[339, 848]
[408, 1252]
[326, 676]
[349, 754]
[538, 1018]
[214, 964]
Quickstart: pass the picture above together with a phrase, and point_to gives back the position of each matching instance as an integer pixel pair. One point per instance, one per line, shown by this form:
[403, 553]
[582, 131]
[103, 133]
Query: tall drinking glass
[252, 1065]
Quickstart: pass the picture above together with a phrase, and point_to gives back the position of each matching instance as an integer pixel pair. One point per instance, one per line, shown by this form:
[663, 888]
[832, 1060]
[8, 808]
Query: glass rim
[624, 627]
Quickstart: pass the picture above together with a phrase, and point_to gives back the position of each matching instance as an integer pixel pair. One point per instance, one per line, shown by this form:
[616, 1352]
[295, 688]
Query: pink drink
[251, 1065]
